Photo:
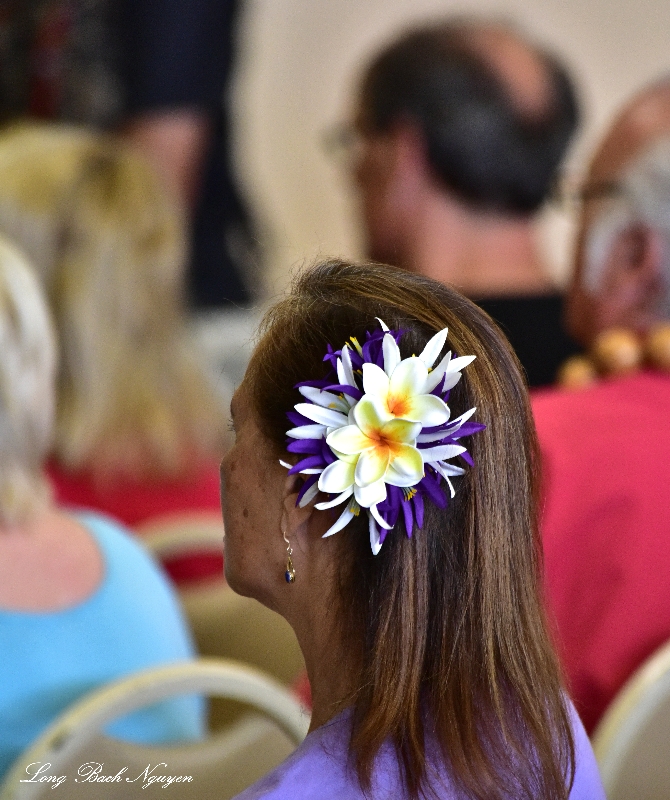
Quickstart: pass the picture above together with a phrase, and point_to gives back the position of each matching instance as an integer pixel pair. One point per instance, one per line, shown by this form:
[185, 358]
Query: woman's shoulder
[587, 784]
[321, 768]
[318, 768]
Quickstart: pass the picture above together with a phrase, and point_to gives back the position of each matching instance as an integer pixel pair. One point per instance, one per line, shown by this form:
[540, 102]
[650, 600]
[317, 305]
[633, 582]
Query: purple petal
[297, 419]
[326, 452]
[468, 428]
[305, 446]
[307, 463]
[432, 488]
[418, 509]
[409, 517]
[467, 458]
[344, 389]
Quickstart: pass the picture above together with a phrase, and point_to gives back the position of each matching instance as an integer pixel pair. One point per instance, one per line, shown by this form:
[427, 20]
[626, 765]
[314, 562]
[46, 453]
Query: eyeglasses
[567, 194]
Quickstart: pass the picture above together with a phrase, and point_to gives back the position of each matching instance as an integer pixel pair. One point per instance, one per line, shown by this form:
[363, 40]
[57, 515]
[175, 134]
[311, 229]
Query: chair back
[218, 768]
[632, 741]
[224, 624]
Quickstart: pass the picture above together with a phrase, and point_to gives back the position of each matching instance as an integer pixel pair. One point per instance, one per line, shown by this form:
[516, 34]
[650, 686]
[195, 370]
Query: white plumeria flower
[373, 451]
[404, 386]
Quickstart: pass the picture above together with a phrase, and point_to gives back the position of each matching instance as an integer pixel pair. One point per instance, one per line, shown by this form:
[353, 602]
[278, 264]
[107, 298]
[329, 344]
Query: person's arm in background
[176, 60]
[176, 143]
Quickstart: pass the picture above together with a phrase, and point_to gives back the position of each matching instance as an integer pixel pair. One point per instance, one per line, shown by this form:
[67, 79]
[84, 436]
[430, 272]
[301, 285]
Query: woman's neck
[329, 667]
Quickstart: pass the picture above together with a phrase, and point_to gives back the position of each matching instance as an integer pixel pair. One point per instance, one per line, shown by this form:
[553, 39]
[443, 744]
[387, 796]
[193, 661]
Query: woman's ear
[294, 518]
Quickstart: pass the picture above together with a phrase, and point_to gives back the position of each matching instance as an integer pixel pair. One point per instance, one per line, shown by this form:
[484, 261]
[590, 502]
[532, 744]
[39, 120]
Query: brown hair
[449, 624]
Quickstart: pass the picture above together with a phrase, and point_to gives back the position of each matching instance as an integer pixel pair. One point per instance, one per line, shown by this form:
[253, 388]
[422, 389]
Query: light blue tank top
[131, 622]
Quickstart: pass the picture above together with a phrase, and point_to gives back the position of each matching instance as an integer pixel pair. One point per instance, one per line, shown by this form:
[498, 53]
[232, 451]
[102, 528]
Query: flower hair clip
[376, 433]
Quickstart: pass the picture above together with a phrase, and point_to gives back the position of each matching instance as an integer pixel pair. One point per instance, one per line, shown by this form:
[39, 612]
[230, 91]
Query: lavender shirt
[318, 769]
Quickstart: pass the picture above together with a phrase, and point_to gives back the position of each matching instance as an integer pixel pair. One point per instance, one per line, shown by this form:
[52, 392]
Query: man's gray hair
[641, 196]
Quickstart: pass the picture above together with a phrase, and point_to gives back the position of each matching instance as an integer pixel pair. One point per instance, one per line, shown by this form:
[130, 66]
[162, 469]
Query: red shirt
[606, 529]
[136, 503]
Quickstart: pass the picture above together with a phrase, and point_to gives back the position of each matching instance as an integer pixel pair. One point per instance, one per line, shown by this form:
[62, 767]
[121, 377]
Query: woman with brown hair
[420, 619]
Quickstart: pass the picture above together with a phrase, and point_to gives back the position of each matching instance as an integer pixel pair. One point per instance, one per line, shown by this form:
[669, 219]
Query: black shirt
[534, 326]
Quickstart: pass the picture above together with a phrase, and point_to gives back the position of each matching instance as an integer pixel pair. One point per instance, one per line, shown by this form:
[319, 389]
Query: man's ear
[634, 276]
[410, 157]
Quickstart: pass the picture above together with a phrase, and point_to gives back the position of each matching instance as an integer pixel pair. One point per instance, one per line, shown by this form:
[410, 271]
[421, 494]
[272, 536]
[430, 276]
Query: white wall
[299, 63]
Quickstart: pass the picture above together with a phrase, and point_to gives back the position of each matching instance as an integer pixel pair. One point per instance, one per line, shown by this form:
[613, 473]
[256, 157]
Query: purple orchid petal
[321, 384]
[432, 488]
[326, 453]
[409, 517]
[344, 389]
[468, 428]
[467, 458]
[297, 419]
[305, 446]
[312, 462]
[418, 509]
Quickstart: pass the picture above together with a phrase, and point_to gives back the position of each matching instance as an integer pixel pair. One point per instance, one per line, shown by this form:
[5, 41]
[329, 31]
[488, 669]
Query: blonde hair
[109, 246]
[27, 368]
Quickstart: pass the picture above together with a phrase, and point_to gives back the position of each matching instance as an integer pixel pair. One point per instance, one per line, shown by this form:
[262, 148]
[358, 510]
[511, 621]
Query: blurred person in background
[159, 71]
[606, 523]
[461, 128]
[138, 430]
[81, 603]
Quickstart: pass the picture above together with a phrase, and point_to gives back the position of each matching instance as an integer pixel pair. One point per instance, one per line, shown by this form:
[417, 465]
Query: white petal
[309, 495]
[367, 496]
[375, 381]
[450, 381]
[460, 363]
[409, 378]
[349, 439]
[371, 465]
[452, 368]
[432, 437]
[285, 465]
[433, 349]
[339, 499]
[375, 544]
[370, 414]
[437, 374]
[447, 469]
[446, 475]
[337, 477]
[315, 471]
[428, 409]
[378, 517]
[441, 452]
[395, 478]
[307, 432]
[456, 423]
[325, 399]
[324, 416]
[348, 369]
[344, 519]
[385, 327]
[391, 354]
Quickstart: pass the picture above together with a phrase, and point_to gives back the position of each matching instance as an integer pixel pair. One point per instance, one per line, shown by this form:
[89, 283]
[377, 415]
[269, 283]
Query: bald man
[461, 129]
[605, 450]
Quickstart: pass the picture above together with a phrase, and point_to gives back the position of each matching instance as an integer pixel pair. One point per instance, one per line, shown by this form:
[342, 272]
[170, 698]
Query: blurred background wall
[299, 63]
